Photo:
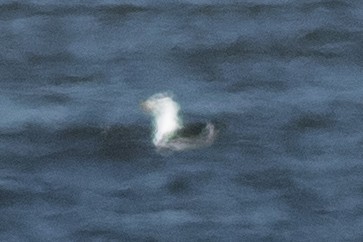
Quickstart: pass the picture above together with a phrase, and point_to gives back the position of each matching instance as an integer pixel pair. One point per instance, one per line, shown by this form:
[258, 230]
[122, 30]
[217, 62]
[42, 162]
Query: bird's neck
[166, 124]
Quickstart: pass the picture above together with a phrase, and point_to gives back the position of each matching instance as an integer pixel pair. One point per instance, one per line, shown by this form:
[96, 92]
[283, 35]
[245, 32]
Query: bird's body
[169, 131]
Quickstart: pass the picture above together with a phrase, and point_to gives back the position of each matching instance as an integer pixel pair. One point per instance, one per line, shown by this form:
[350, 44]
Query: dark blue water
[282, 81]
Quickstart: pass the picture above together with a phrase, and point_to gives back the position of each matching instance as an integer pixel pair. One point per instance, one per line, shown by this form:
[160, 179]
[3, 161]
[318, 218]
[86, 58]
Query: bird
[169, 132]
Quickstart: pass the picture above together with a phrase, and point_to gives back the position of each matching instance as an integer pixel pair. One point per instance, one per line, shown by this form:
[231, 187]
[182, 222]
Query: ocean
[282, 80]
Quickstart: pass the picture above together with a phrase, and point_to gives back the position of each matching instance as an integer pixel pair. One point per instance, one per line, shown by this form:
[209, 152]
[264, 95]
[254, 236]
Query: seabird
[169, 132]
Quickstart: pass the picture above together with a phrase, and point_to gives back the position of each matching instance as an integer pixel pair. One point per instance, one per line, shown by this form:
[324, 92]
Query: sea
[281, 80]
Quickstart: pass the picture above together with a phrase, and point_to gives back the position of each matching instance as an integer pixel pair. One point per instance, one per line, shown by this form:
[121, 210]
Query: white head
[166, 117]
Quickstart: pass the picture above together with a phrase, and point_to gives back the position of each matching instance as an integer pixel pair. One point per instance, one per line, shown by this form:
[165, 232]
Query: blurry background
[281, 79]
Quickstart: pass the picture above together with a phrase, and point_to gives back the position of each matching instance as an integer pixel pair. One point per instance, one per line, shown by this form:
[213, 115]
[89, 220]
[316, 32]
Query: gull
[169, 133]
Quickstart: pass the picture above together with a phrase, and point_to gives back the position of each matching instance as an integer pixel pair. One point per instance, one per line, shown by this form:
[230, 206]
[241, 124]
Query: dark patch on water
[299, 200]
[125, 194]
[270, 179]
[325, 35]
[99, 234]
[60, 197]
[125, 142]
[245, 85]
[187, 184]
[35, 59]
[312, 121]
[10, 198]
[328, 5]
[55, 98]
[23, 10]
[179, 185]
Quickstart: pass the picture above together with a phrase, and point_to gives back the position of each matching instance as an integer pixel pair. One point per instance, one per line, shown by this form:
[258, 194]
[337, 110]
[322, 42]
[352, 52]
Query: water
[282, 80]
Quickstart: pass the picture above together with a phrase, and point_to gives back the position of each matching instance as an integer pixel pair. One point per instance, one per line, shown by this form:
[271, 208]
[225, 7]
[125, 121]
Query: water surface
[282, 80]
